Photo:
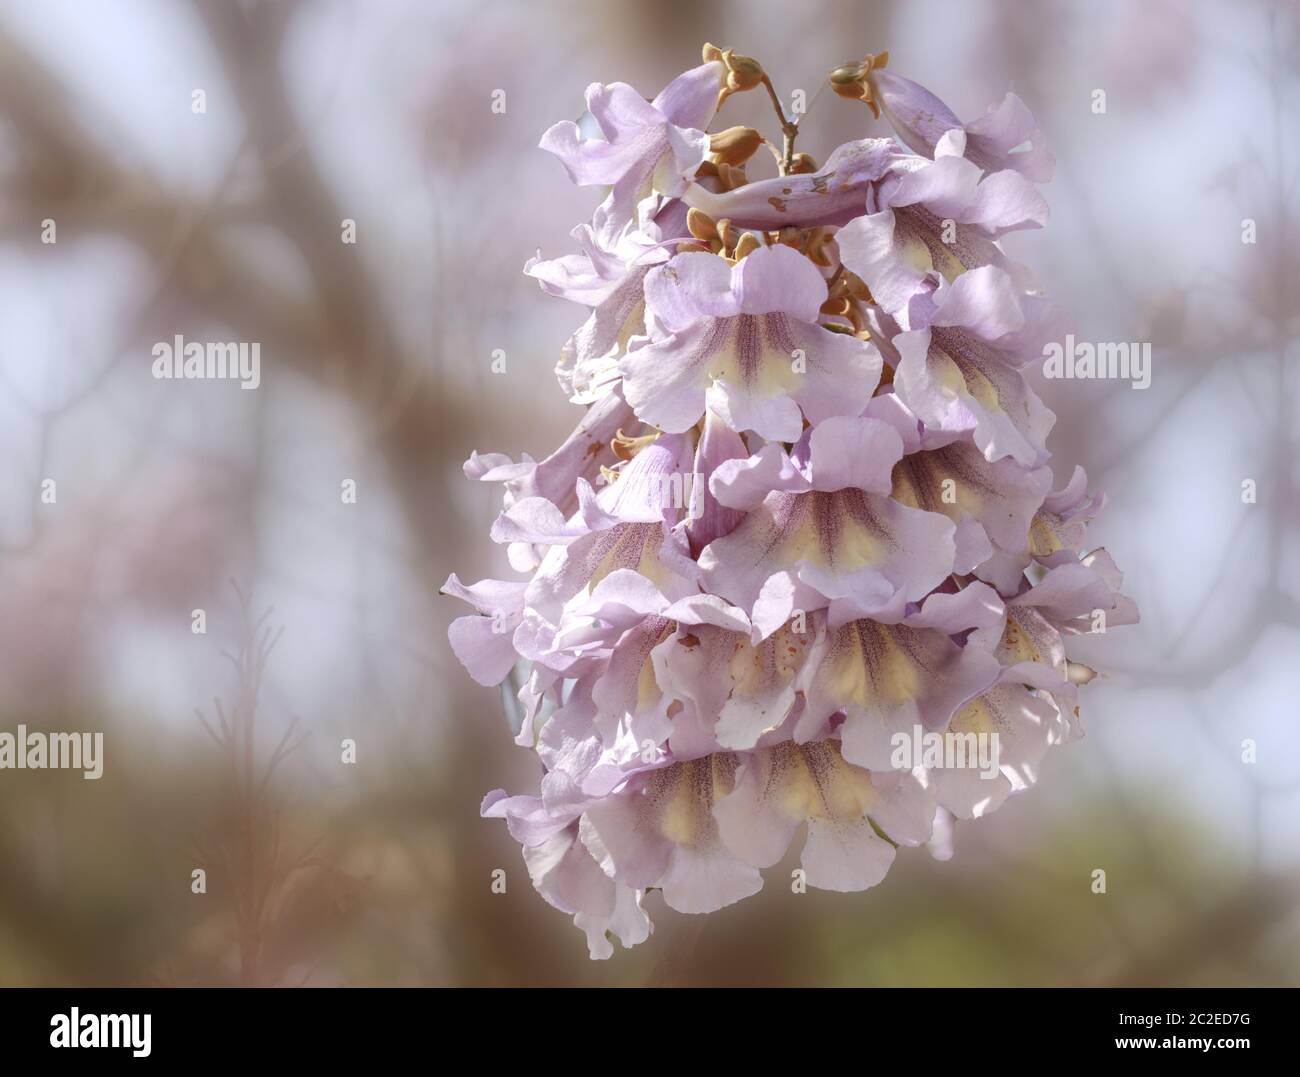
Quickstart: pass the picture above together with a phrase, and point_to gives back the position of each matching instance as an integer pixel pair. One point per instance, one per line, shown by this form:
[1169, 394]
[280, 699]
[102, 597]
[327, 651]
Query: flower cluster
[806, 516]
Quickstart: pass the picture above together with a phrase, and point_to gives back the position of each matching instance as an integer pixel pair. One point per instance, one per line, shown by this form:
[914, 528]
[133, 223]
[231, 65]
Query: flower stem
[789, 129]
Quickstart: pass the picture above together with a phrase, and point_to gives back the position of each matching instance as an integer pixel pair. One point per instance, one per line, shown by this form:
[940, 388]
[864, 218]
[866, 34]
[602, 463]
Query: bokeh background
[176, 496]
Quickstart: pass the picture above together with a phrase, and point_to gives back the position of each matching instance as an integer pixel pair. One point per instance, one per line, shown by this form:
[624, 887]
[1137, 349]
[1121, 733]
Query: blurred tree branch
[338, 334]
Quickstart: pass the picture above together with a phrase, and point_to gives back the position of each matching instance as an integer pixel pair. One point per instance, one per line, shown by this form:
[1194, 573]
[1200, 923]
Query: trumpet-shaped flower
[800, 567]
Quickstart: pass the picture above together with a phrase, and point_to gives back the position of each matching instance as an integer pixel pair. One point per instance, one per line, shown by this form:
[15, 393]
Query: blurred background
[323, 621]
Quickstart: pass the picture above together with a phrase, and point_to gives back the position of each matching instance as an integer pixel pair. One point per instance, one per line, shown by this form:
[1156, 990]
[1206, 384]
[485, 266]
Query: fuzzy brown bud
[735, 145]
[741, 72]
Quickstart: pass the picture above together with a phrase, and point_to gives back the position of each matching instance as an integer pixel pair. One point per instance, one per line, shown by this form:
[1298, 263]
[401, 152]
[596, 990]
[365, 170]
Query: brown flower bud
[731, 177]
[726, 234]
[854, 80]
[626, 446]
[815, 248]
[700, 225]
[741, 72]
[846, 80]
[735, 145]
[746, 244]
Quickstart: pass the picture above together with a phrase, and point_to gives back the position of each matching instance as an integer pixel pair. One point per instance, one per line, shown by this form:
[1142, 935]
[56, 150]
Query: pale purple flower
[743, 341]
[610, 281]
[756, 572]
[1056, 535]
[930, 221]
[961, 371]
[833, 195]
[846, 809]
[637, 522]
[483, 641]
[994, 505]
[889, 672]
[568, 876]
[821, 527]
[1006, 136]
[555, 478]
[649, 149]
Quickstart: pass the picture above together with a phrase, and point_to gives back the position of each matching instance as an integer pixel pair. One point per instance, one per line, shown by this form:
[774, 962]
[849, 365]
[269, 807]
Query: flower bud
[746, 244]
[735, 145]
[731, 177]
[742, 72]
[854, 80]
[701, 226]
